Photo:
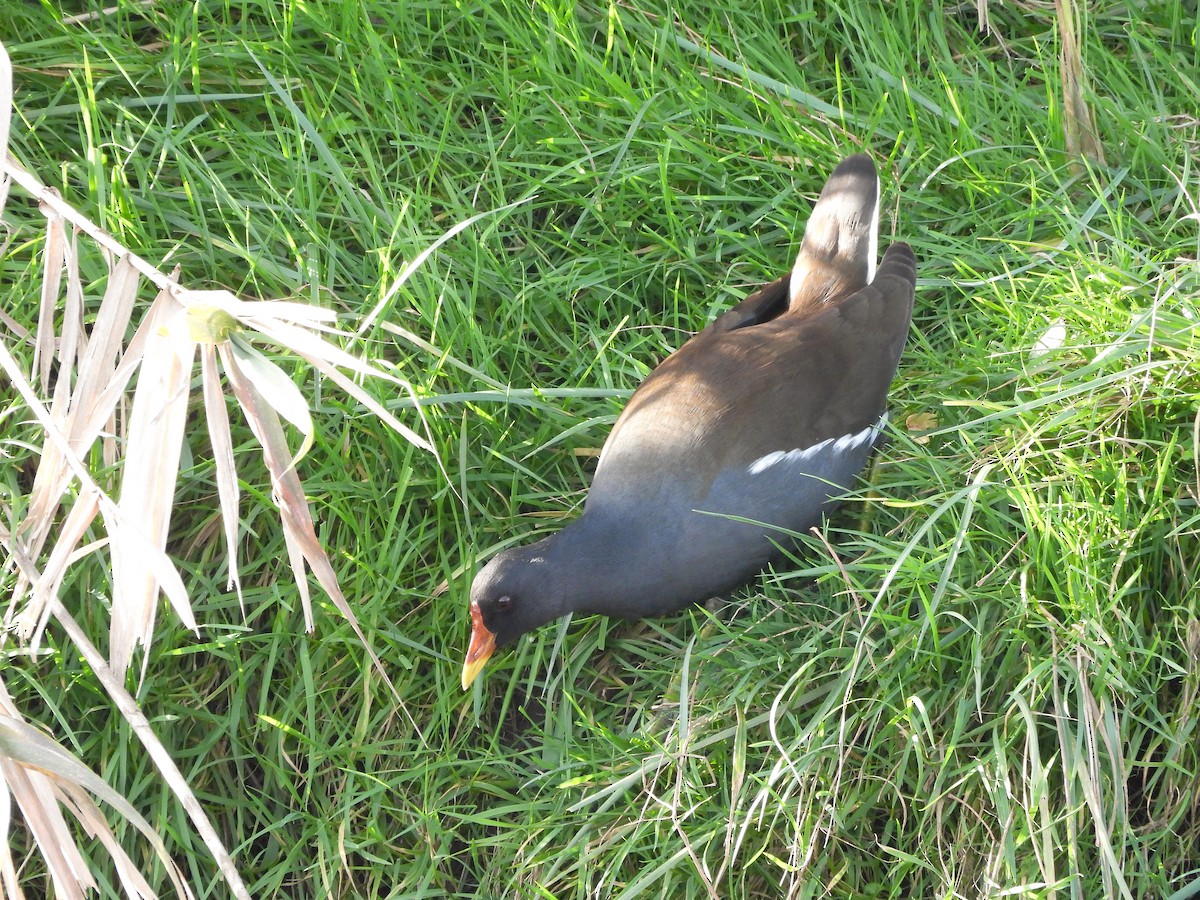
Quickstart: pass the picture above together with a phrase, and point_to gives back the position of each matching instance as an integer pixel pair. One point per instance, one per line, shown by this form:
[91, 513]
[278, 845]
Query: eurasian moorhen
[753, 427]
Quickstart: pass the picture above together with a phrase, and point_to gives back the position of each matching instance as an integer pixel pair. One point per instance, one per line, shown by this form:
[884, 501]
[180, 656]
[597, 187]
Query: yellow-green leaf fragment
[211, 324]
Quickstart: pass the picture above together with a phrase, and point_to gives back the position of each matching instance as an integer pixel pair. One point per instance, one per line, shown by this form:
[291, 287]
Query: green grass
[988, 687]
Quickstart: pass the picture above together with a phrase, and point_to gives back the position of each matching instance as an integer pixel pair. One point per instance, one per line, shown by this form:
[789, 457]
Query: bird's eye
[504, 604]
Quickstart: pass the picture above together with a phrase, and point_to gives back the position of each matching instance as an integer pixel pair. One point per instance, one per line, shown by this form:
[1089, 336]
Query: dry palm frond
[87, 372]
[163, 349]
[42, 588]
[44, 779]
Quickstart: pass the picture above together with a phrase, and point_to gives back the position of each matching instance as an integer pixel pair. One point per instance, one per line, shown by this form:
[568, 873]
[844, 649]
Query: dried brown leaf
[34, 796]
[153, 556]
[52, 266]
[151, 466]
[217, 415]
[270, 319]
[273, 384]
[58, 777]
[295, 515]
[98, 366]
[295, 554]
[286, 490]
[922, 421]
[73, 342]
[45, 822]
[9, 886]
[97, 390]
[252, 310]
[49, 482]
[71, 466]
[33, 618]
[324, 356]
[166, 766]
[85, 811]
[919, 424]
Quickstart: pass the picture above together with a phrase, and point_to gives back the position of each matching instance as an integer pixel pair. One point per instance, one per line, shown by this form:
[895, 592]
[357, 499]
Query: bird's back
[770, 412]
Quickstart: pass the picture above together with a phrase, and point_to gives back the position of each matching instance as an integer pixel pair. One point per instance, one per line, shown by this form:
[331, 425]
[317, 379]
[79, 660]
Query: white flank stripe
[843, 444]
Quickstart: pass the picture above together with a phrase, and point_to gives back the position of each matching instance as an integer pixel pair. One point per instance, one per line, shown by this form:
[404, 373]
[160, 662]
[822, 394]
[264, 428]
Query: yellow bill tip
[480, 650]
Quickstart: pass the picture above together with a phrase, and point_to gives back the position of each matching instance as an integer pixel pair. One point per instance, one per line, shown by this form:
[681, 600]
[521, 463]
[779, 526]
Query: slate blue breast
[753, 427]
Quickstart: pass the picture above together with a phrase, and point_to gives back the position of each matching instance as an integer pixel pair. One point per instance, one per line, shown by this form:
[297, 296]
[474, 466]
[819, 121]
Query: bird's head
[516, 592]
